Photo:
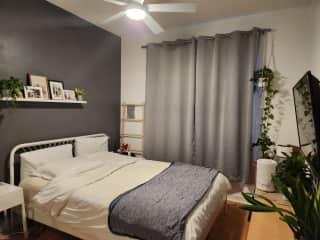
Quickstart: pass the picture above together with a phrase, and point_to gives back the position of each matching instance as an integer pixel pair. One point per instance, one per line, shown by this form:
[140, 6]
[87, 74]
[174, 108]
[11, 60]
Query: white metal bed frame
[44, 218]
[32, 146]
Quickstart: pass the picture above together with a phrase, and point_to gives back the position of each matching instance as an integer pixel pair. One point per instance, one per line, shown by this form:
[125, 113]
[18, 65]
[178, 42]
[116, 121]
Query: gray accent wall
[42, 39]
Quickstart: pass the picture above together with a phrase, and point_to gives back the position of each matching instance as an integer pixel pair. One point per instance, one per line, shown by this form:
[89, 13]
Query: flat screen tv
[307, 105]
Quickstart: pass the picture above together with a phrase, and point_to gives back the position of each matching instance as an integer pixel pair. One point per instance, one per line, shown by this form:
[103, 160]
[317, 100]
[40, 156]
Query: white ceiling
[96, 11]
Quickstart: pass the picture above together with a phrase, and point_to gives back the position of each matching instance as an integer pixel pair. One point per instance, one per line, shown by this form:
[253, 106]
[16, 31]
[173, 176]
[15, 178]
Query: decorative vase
[266, 168]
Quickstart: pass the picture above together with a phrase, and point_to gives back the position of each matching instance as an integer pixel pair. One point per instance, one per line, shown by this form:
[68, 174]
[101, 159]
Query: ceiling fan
[137, 10]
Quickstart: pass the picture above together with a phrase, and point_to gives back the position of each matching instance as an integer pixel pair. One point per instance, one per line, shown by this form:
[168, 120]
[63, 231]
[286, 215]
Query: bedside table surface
[12, 196]
[277, 198]
[267, 226]
[6, 189]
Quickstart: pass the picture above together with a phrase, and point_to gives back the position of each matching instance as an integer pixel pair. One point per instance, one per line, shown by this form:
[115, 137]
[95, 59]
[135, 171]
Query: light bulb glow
[136, 13]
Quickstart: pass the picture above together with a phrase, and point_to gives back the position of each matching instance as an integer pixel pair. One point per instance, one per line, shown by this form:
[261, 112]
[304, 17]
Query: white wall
[316, 38]
[293, 46]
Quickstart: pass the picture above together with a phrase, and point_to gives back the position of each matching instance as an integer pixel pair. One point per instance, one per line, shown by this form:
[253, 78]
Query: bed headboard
[32, 146]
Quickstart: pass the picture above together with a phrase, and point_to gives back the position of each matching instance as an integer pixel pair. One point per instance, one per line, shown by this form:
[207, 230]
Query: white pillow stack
[51, 162]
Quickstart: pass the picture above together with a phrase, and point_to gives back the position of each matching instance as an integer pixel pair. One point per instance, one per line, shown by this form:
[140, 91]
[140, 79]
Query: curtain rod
[266, 30]
[178, 41]
[171, 43]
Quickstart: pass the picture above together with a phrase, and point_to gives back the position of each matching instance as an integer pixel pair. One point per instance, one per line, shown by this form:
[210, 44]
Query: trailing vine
[266, 77]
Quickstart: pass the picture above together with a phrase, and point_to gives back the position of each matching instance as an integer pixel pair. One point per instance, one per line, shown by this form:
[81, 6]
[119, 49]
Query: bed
[83, 212]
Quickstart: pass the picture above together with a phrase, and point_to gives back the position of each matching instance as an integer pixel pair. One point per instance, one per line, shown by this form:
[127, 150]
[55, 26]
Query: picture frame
[69, 95]
[56, 89]
[39, 81]
[131, 112]
[33, 92]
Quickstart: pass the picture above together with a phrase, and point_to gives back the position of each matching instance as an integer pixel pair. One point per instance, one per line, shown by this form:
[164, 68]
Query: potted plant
[79, 93]
[298, 179]
[10, 89]
[265, 79]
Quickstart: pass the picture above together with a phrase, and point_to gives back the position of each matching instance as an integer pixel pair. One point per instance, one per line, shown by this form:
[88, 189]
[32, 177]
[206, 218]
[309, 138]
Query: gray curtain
[169, 110]
[199, 101]
[224, 94]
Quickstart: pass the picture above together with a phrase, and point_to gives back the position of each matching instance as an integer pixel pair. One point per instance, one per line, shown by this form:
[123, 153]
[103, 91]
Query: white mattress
[86, 210]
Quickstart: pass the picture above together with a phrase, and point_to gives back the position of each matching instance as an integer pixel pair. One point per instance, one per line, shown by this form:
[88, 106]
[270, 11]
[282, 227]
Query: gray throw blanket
[158, 209]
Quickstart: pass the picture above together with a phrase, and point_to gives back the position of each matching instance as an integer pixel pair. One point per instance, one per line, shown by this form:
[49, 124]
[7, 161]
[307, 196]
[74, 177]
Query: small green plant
[297, 177]
[294, 166]
[266, 76]
[11, 90]
[79, 91]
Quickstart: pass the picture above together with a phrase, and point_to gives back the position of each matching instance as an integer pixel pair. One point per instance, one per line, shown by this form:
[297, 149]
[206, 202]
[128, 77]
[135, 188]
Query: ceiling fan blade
[152, 24]
[139, 1]
[114, 17]
[116, 2]
[173, 7]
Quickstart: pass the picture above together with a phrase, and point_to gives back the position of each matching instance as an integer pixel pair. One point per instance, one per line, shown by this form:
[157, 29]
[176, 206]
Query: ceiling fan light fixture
[136, 13]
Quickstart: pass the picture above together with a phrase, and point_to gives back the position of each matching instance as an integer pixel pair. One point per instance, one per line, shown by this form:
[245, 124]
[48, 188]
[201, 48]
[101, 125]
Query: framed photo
[69, 95]
[56, 90]
[33, 92]
[39, 81]
[131, 110]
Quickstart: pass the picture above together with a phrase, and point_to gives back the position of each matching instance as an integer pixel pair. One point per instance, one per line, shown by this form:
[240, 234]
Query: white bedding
[84, 207]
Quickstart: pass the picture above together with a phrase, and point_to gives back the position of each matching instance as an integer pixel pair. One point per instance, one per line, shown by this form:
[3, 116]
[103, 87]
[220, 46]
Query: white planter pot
[266, 168]
[79, 97]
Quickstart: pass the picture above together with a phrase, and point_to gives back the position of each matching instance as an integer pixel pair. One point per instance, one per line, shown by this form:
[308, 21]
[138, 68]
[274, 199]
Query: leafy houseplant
[11, 89]
[266, 76]
[298, 178]
[79, 93]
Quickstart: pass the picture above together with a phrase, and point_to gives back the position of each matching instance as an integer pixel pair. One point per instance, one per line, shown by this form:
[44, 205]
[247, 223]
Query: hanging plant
[265, 77]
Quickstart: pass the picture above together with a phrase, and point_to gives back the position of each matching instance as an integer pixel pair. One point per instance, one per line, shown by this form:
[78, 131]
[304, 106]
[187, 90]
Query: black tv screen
[307, 105]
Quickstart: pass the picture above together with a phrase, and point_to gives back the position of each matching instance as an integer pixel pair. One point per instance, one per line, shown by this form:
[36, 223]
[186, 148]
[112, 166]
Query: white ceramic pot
[266, 168]
[80, 97]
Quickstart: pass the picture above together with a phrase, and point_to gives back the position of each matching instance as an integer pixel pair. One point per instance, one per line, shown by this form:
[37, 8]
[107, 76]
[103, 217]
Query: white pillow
[88, 145]
[34, 159]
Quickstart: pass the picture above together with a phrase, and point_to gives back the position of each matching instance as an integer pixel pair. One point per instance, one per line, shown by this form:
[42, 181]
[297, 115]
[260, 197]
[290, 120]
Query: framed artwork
[131, 110]
[39, 81]
[56, 90]
[69, 95]
[33, 92]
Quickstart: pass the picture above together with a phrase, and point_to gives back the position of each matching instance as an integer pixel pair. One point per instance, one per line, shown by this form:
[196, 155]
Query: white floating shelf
[44, 101]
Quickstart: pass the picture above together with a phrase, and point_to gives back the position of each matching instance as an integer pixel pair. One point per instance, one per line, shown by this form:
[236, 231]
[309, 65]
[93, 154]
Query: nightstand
[12, 196]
